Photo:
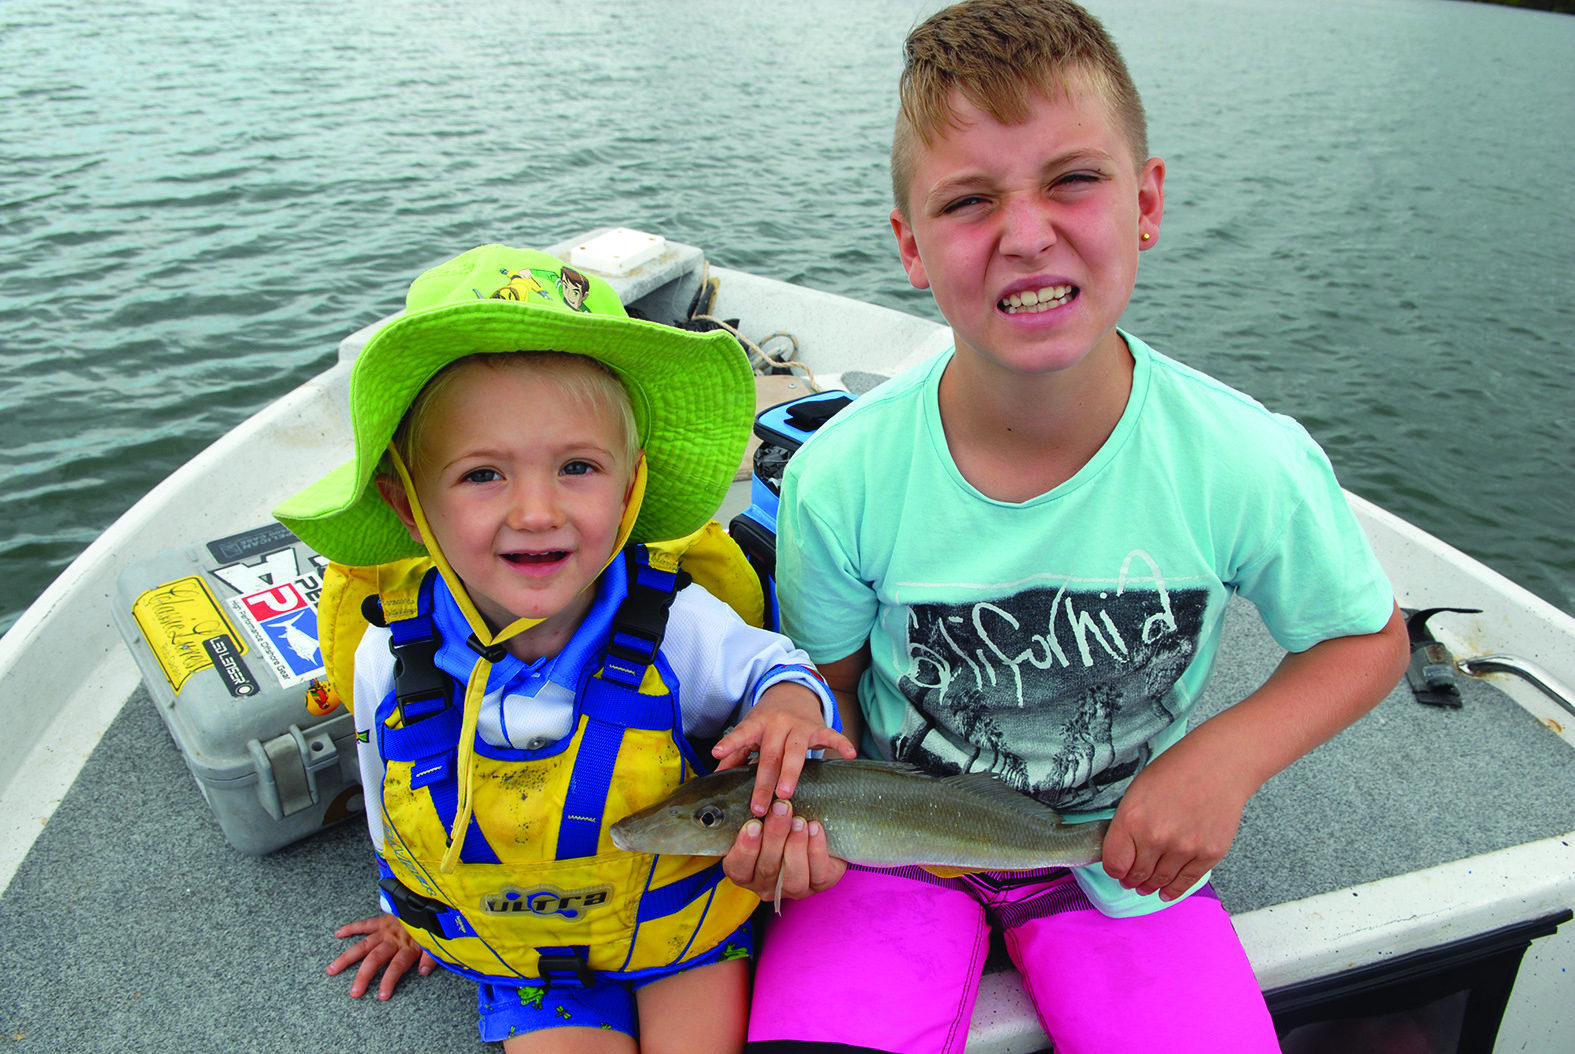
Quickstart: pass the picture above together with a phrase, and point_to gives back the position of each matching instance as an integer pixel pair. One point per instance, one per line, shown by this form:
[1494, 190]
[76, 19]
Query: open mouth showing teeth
[1036, 300]
[535, 558]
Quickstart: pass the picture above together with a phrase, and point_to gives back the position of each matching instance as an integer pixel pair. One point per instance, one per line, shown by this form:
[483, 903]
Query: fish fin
[989, 786]
[902, 768]
[986, 785]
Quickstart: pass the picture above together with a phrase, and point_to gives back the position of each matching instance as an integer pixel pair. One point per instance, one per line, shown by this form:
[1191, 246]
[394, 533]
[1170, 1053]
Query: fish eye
[709, 816]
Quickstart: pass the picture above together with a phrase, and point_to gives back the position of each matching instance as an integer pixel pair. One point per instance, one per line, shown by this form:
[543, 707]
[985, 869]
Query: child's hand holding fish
[783, 856]
[780, 854]
[782, 727]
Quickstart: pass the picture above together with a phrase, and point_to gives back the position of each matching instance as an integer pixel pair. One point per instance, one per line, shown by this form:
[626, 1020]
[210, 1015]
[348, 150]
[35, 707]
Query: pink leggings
[891, 961]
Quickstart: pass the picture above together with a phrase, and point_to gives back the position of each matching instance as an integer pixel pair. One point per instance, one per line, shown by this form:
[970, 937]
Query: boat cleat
[1431, 673]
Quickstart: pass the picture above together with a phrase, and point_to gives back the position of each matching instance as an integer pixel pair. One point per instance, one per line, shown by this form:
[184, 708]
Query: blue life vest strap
[612, 701]
[663, 901]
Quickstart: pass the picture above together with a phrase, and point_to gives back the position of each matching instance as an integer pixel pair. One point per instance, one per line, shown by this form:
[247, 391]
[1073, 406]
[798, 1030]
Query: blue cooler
[782, 429]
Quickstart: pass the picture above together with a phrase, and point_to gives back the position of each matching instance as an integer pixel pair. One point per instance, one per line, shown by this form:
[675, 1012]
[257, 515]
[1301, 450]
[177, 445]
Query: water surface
[1367, 214]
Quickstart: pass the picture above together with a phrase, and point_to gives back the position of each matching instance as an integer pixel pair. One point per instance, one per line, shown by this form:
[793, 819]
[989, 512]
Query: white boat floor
[133, 926]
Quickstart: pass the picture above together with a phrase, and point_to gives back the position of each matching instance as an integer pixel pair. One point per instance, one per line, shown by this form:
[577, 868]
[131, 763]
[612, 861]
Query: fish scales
[877, 813]
[907, 817]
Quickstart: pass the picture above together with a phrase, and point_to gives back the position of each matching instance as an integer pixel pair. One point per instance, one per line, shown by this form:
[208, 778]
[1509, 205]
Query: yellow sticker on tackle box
[178, 619]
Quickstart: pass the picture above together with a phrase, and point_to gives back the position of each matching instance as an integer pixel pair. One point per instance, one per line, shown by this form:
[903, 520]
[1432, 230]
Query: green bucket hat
[693, 394]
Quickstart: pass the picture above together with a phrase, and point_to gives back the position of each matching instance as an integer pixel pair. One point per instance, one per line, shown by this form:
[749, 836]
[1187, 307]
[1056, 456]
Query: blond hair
[997, 53]
[582, 379]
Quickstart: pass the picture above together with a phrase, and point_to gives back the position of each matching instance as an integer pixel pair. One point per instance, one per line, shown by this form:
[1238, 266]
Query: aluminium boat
[1407, 886]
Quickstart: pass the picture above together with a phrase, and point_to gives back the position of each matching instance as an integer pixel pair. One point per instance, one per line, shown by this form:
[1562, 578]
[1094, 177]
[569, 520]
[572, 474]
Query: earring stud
[1145, 237]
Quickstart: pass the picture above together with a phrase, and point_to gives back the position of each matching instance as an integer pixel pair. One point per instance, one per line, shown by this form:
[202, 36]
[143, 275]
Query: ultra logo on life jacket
[545, 900]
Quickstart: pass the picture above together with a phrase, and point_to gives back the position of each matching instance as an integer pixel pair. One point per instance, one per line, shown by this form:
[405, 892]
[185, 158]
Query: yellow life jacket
[540, 893]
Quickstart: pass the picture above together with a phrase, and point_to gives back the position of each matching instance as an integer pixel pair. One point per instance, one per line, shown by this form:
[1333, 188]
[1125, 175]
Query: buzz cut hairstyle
[997, 53]
[582, 379]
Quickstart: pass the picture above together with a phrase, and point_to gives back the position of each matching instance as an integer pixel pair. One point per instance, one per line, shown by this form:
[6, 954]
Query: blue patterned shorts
[511, 1011]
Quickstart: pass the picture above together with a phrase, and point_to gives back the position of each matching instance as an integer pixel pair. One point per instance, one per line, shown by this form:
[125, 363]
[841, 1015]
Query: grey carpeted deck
[1407, 787]
[132, 925]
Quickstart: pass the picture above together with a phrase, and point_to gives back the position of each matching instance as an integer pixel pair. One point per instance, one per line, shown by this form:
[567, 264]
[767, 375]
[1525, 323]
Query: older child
[1017, 557]
[534, 696]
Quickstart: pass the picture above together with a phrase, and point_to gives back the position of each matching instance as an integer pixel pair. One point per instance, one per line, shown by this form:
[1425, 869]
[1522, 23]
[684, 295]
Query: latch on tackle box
[287, 768]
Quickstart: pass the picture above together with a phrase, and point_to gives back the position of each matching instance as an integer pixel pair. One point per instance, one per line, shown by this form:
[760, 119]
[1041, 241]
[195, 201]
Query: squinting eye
[1076, 178]
[709, 816]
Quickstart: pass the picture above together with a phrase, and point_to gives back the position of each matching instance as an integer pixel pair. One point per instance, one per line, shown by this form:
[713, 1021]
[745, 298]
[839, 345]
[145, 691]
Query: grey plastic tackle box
[225, 635]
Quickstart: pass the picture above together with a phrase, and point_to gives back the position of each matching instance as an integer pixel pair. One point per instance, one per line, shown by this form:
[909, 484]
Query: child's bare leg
[571, 1041]
[706, 1008]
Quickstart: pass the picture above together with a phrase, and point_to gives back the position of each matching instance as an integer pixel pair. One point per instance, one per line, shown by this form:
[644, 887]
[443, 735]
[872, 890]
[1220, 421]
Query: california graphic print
[1057, 689]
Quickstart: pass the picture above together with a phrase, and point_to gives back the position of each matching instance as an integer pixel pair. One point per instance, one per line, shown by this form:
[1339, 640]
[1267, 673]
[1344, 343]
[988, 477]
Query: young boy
[534, 697]
[1017, 557]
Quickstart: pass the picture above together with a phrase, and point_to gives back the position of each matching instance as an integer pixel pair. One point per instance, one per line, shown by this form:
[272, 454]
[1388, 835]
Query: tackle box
[225, 635]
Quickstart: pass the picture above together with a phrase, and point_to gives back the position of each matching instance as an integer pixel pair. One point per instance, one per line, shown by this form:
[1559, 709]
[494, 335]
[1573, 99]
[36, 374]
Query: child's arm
[387, 947]
[782, 846]
[1181, 813]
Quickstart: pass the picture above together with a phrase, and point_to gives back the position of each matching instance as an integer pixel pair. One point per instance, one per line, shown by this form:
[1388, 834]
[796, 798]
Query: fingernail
[779, 808]
[814, 829]
[752, 829]
[798, 823]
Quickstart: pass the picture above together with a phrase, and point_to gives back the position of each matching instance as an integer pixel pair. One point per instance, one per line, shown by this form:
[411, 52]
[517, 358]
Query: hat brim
[692, 394]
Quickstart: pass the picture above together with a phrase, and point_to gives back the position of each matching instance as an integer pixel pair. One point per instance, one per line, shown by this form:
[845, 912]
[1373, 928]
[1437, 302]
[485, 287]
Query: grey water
[1370, 213]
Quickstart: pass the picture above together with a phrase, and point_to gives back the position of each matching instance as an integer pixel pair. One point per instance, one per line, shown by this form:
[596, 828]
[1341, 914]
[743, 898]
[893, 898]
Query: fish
[299, 640]
[878, 813]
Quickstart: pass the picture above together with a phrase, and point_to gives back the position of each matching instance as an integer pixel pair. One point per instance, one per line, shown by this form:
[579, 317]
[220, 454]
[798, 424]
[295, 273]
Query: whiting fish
[877, 813]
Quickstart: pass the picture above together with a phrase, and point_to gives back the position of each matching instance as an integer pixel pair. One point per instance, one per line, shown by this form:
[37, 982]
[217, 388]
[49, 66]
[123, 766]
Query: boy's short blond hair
[997, 53]
[581, 378]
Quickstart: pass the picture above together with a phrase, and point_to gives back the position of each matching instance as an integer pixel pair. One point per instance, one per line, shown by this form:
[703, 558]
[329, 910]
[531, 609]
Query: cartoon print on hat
[572, 286]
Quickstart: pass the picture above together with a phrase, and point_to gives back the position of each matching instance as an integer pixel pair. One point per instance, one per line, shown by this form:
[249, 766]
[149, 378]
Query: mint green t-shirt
[1061, 642]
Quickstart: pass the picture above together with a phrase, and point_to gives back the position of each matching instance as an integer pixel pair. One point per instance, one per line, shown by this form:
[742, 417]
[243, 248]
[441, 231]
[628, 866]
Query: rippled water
[1367, 217]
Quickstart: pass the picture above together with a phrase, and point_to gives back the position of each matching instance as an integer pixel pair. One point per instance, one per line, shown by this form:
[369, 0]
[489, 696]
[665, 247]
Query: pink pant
[890, 962]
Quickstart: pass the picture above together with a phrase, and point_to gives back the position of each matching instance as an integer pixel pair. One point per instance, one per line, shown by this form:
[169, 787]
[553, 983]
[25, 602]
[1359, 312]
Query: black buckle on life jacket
[413, 908]
[559, 969]
[1431, 673]
[417, 678]
[420, 688]
[640, 622]
[624, 647]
